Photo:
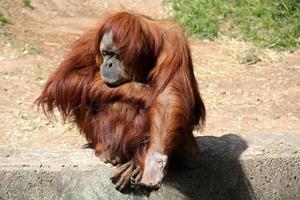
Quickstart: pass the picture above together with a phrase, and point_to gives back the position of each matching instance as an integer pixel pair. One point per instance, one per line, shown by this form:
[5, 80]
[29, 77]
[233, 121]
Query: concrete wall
[261, 166]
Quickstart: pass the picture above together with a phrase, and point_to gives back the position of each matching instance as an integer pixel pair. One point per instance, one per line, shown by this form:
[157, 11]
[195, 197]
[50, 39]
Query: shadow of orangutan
[215, 173]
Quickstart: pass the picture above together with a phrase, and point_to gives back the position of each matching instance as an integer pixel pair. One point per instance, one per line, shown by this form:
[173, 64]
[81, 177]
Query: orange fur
[157, 111]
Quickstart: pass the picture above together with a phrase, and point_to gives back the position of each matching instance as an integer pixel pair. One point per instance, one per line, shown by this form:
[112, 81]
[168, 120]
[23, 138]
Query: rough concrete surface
[259, 166]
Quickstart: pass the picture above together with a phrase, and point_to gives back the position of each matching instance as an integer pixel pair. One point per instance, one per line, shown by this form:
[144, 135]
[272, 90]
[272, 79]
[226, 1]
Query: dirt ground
[259, 96]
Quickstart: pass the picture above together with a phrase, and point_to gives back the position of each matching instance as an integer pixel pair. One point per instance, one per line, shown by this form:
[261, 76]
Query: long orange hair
[120, 119]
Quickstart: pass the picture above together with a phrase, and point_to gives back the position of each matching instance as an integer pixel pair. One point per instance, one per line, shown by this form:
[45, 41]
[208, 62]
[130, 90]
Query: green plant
[5, 33]
[199, 16]
[39, 80]
[268, 23]
[27, 3]
[3, 19]
[30, 49]
[249, 57]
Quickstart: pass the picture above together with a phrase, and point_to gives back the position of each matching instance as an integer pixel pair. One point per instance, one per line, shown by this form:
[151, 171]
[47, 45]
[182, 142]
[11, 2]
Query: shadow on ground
[216, 172]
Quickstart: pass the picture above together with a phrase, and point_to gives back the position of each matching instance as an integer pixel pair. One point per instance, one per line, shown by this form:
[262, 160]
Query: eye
[117, 56]
[105, 53]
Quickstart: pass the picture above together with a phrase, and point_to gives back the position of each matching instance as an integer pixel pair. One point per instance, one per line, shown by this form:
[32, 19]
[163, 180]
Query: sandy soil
[240, 97]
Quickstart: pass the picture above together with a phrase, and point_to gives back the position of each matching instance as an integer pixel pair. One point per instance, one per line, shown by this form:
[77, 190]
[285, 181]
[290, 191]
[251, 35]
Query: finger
[135, 181]
[119, 171]
[124, 183]
[124, 179]
[135, 171]
[133, 175]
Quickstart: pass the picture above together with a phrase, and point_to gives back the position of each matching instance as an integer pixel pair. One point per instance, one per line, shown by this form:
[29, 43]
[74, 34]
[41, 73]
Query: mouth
[112, 83]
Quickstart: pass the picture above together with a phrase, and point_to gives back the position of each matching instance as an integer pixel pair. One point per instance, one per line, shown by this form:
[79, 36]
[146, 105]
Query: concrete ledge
[264, 166]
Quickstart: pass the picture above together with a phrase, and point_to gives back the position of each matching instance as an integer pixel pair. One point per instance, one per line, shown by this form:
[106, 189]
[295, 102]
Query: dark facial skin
[112, 70]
